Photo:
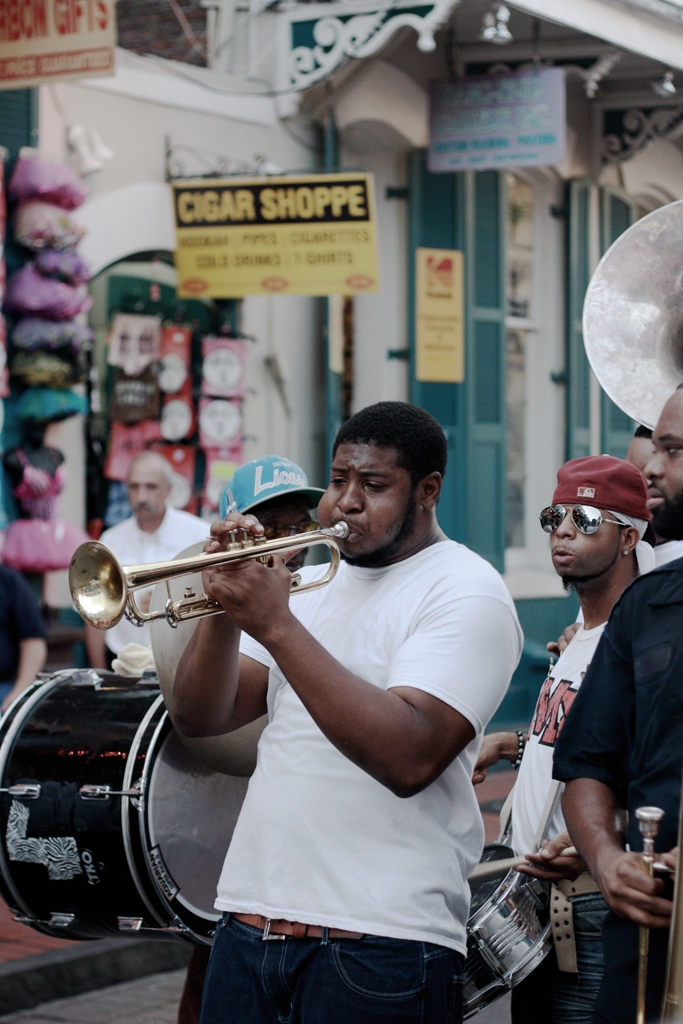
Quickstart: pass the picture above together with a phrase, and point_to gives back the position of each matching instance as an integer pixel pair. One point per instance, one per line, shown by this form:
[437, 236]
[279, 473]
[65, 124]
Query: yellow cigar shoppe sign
[305, 235]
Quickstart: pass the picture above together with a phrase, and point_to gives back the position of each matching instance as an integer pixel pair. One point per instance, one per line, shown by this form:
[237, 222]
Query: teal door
[466, 212]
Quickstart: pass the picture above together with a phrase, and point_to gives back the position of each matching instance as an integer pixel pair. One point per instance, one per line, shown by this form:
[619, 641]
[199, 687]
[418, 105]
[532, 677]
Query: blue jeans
[551, 996]
[338, 981]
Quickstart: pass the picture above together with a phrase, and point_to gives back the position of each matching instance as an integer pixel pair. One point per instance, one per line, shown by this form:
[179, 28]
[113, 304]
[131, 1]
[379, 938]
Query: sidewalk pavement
[151, 1000]
[154, 1000]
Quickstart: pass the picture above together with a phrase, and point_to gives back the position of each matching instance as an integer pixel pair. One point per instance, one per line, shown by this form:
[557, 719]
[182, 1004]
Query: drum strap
[562, 917]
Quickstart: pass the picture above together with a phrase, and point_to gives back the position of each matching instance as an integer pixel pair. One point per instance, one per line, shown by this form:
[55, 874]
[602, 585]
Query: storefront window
[518, 307]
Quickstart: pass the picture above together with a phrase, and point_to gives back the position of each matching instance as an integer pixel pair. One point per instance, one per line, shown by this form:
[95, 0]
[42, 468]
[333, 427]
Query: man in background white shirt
[156, 532]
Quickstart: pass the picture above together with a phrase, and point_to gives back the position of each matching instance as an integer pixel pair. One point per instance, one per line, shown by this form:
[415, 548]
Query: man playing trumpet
[344, 889]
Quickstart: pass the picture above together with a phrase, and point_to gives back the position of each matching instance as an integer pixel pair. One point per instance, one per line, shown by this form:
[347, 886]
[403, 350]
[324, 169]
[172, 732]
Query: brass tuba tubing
[102, 589]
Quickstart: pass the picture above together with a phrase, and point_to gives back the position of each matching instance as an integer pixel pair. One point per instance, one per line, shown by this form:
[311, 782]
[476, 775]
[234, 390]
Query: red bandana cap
[604, 482]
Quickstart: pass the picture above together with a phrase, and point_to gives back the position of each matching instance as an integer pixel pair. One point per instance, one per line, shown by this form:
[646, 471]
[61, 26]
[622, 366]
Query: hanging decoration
[49, 299]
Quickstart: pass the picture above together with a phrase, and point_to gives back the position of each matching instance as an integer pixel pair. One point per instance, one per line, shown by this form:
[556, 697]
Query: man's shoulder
[125, 528]
[466, 571]
[663, 585]
[9, 578]
[186, 523]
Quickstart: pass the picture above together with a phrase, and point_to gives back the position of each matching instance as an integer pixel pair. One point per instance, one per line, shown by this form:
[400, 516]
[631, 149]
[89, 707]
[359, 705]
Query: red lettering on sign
[359, 281]
[22, 19]
[275, 283]
[194, 285]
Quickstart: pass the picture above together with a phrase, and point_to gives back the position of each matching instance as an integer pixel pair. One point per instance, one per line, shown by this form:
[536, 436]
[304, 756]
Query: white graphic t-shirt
[319, 840]
[536, 770]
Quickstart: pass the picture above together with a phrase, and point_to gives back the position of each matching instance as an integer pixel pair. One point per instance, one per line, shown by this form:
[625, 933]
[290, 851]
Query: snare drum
[508, 932]
[108, 824]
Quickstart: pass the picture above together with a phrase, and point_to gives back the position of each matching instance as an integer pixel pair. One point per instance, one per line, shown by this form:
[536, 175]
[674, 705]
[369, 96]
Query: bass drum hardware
[105, 815]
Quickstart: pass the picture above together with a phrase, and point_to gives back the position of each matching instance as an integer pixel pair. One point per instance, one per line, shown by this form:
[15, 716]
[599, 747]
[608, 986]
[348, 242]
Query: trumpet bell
[633, 315]
[98, 585]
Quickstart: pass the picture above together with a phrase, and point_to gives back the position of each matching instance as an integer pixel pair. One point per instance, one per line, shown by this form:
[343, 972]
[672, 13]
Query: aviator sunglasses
[586, 518]
[277, 530]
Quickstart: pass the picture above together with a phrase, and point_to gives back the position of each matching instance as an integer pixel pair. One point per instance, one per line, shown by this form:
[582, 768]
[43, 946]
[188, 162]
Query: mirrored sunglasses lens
[308, 527]
[276, 531]
[551, 517]
[586, 518]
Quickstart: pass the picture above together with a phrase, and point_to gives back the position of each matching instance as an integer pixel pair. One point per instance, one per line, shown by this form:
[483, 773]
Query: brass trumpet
[649, 819]
[102, 589]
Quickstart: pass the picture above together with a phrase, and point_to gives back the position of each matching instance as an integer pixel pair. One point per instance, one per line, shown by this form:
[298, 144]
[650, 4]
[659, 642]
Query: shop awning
[651, 29]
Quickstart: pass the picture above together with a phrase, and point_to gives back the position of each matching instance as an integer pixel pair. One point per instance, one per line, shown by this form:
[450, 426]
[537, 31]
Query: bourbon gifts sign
[44, 40]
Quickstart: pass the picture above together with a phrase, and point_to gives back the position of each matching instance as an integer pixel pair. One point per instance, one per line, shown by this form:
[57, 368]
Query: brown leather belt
[282, 929]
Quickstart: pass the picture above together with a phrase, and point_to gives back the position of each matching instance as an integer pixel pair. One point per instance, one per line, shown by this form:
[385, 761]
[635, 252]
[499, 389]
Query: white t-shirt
[536, 770]
[133, 546]
[667, 551]
[318, 839]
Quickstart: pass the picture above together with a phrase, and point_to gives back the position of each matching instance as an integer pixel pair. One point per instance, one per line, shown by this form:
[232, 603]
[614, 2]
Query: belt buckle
[267, 937]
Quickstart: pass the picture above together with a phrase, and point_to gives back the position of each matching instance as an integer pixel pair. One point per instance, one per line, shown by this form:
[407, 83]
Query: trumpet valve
[189, 592]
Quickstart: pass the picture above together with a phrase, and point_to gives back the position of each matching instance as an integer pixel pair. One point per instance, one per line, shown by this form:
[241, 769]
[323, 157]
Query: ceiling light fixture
[494, 27]
[665, 87]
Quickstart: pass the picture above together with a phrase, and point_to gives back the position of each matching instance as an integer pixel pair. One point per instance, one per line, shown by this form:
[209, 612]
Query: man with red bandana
[596, 523]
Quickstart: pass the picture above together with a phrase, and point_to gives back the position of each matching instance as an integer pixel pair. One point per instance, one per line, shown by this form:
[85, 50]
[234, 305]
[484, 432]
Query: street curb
[83, 967]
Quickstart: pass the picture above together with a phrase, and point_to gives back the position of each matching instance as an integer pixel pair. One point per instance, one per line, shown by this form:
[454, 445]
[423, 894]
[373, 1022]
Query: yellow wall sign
[44, 40]
[439, 326]
[305, 235]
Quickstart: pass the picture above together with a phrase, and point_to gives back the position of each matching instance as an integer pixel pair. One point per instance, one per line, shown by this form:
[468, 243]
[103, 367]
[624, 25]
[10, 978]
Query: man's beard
[579, 583]
[383, 555]
[667, 520]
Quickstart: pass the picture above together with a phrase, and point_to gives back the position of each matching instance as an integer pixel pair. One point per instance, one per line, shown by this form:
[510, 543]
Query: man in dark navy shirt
[622, 747]
[22, 636]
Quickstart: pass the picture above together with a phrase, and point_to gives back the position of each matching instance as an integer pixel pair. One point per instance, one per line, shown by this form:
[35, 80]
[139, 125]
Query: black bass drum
[108, 824]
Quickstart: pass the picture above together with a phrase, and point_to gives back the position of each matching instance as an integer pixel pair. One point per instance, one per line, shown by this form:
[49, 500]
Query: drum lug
[129, 924]
[23, 790]
[95, 792]
[136, 924]
[59, 920]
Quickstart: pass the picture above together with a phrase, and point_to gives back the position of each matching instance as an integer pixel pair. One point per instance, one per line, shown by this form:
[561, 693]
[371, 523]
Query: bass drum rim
[178, 917]
[12, 721]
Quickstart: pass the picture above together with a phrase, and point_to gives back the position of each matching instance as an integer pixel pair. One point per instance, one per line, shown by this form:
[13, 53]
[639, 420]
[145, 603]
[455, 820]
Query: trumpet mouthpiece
[648, 820]
[339, 530]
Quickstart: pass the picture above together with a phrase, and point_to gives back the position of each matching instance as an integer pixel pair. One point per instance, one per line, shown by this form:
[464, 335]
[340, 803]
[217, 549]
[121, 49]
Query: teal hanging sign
[490, 122]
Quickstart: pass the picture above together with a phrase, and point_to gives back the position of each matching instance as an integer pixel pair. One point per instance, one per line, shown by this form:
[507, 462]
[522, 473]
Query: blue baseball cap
[263, 479]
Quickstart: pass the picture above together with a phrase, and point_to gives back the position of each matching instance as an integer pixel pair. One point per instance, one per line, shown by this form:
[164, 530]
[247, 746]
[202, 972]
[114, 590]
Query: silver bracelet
[521, 742]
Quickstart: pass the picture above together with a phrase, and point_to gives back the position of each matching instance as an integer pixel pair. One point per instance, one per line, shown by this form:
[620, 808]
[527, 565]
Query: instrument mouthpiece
[339, 530]
[648, 820]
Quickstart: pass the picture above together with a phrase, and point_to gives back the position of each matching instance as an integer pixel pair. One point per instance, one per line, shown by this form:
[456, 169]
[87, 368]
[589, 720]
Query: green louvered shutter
[578, 276]
[485, 364]
[617, 213]
[466, 211]
[333, 381]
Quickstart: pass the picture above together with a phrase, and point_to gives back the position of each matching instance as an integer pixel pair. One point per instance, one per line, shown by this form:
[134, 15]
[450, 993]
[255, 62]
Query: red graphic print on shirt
[552, 709]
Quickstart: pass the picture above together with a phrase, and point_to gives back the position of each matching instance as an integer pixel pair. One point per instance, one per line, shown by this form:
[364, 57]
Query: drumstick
[491, 868]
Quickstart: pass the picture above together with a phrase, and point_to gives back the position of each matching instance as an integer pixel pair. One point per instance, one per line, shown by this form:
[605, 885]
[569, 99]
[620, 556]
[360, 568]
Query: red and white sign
[41, 40]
